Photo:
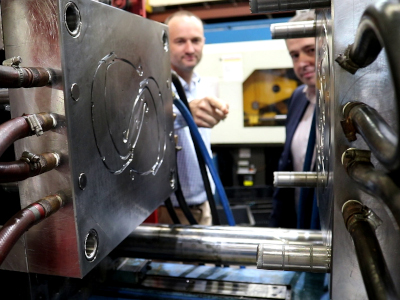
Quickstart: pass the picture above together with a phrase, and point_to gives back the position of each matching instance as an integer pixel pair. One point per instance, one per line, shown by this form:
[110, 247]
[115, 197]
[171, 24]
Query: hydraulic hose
[361, 223]
[28, 166]
[198, 140]
[171, 211]
[24, 126]
[21, 77]
[366, 121]
[24, 219]
[378, 28]
[202, 166]
[374, 182]
[183, 205]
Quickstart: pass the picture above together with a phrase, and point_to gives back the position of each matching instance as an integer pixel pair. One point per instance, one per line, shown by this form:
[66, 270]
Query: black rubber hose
[182, 203]
[202, 164]
[378, 28]
[171, 211]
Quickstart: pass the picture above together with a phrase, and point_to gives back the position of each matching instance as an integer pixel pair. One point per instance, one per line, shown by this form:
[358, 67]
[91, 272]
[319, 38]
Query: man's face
[186, 41]
[302, 52]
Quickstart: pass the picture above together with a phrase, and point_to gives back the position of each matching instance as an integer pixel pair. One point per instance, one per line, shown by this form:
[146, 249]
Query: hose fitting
[42, 163]
[12, 75]
[40, 122]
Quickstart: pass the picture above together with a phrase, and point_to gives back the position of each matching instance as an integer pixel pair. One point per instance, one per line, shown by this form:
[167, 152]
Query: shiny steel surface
[305, 258]
[295, 179]
[236, 245]
[117, 133]
[293, 30]
[218, 288]
[373, 86]
[268, 6]
[234, 232]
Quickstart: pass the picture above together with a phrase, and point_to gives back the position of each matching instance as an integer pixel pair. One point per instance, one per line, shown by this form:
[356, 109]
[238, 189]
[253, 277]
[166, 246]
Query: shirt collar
[310, 94]
[193, 83]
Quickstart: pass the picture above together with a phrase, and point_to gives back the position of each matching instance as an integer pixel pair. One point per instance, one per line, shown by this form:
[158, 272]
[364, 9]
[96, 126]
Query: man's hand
[207, 112]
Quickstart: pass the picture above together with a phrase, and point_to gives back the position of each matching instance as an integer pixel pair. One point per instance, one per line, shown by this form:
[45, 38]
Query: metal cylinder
[294, 30]
[286, 257]
[218, 245]
[269, 6]
[295, 179]
[4, 98]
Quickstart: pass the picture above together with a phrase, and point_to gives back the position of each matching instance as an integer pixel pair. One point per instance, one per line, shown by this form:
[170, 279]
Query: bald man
[186, 42]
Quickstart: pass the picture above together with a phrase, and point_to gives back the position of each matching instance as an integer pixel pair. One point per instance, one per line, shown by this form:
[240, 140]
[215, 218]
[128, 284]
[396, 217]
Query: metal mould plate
[325, 94]
[119, 112]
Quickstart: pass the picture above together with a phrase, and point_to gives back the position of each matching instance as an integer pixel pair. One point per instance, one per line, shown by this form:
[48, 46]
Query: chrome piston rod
[294, 30]
[304, 258]
[295, 179]
[218, 245]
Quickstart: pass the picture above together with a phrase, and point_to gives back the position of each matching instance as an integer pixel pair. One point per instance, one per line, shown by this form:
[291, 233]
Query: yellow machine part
[264, 88]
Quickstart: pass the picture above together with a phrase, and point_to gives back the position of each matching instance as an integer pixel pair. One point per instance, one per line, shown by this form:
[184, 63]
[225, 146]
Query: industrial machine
[89, 88]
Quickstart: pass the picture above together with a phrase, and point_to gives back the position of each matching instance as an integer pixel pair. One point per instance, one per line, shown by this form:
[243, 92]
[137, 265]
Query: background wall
[226, 66]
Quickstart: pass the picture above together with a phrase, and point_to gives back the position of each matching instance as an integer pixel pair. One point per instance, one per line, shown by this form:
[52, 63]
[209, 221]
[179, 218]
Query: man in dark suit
[292, 208]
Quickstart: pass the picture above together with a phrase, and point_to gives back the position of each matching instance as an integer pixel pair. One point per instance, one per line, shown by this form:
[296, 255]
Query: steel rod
[295, 179]
[303, 258]
[218, 245]
[294, 30]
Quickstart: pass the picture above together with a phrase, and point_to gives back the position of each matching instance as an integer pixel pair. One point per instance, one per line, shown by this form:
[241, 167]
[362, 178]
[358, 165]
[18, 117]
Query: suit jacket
[284, 210]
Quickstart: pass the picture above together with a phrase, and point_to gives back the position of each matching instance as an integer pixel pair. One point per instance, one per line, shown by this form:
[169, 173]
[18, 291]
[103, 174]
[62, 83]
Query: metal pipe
[361, 223]
[380, 137]
[218, 245]
[28, 166]
[10, 187]
[294, 30]
[235, 232]
[24, 219]
[374, 182]
[378, 28]
[24, 126]
[269, 6]
[295, 179]
[18, 77]
[4, 97]
[303, 258]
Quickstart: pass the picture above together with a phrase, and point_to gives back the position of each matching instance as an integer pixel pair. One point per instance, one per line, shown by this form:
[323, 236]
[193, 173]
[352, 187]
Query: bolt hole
[72, 19]
[91, 245]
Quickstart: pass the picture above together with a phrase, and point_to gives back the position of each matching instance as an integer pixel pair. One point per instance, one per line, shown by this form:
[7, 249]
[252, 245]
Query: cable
[199, 141]
[183, 205]
[202, 164]
[171, 211]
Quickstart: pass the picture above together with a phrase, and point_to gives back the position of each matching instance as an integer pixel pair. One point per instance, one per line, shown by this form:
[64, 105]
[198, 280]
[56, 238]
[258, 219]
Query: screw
[82, 181]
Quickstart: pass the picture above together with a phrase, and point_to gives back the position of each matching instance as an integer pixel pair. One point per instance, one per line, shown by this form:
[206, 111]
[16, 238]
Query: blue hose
[198, 140]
